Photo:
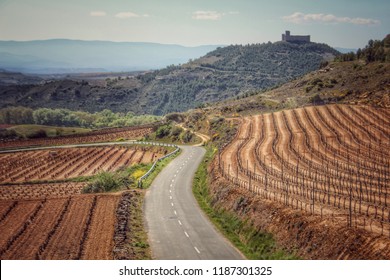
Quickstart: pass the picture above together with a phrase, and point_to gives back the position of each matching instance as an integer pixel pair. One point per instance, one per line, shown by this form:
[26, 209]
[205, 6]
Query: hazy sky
[339, 23]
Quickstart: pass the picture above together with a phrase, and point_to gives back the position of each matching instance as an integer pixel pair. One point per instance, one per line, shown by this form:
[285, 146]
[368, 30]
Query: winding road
[176, 225]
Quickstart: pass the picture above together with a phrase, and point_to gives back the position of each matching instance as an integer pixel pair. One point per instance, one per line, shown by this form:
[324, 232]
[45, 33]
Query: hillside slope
[221, 74]
[352, 82]
[229, 71]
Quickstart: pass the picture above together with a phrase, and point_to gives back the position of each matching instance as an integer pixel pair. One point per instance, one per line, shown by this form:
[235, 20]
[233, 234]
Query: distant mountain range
[75, 56]
[346, 50]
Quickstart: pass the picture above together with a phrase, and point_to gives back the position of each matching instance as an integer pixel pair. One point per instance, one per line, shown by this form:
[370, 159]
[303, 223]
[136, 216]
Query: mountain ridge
[223, 73]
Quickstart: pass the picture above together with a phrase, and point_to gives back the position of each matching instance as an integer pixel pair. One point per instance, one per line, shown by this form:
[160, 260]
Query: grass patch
[251, 242]
[138, 236]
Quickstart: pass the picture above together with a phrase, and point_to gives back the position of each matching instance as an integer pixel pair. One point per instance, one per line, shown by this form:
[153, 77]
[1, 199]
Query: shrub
[176, 131]
[186, 136]
[163, 131]
[176, 117]
[8, 133]
[106, 182]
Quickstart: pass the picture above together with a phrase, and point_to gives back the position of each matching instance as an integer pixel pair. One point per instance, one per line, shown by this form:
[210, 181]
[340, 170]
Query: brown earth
[75, 227]
[59, 164]
[299, 232]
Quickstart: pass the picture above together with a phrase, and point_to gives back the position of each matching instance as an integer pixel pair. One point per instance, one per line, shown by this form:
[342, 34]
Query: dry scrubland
[327, 166]
[44, 216]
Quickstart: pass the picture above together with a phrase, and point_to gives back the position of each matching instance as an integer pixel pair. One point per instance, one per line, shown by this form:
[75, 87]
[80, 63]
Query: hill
[14, 78]
[354, 78]
[221, 74]
[351, 82]
[229, 71]
[75, 56]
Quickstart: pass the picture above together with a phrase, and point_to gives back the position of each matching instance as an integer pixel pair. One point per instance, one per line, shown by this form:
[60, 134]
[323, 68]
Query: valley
[293, 164]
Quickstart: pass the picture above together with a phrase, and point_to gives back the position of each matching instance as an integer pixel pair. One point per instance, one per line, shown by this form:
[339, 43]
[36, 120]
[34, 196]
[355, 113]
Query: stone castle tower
[295, 38]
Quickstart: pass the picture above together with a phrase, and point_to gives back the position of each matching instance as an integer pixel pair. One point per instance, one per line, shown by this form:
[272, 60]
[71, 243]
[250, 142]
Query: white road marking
[171, 185]
[197, 250]
[174, 175]
[172, 204]
[186, 234]
[175, 212]
[179, 222]
[170, 197]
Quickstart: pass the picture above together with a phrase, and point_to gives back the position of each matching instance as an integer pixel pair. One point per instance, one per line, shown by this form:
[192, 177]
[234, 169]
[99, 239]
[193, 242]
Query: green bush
[163, 131]
[103, 182]
[65, 117]
[107, 182]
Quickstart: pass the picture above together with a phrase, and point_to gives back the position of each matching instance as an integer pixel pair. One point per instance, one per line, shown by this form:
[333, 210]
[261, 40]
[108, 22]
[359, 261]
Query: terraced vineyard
[60, 164]
[331, 161]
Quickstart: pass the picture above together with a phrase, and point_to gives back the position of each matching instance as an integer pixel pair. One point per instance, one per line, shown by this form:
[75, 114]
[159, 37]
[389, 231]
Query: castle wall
[295, 38]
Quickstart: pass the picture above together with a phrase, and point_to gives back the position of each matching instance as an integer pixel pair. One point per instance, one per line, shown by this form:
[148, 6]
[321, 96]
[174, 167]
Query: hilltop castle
[290, 38]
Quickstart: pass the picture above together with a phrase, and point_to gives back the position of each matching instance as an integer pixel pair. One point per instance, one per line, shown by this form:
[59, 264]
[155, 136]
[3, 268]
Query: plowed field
[79, 227]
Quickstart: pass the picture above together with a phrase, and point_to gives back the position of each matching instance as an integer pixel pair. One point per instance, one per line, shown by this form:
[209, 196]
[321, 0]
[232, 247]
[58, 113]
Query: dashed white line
[197, 250]
[172, 204]
[170, 197]
[175, 212]
[186, 234]
[179, 222]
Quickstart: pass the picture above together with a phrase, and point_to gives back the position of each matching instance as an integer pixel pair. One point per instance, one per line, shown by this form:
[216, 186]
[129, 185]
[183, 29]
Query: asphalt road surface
[177, 227]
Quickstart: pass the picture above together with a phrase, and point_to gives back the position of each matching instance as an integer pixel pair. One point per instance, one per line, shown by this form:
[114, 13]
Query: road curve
[176, 226]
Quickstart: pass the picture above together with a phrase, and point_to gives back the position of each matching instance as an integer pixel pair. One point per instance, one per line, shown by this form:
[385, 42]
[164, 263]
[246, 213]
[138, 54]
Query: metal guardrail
[157, 160]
